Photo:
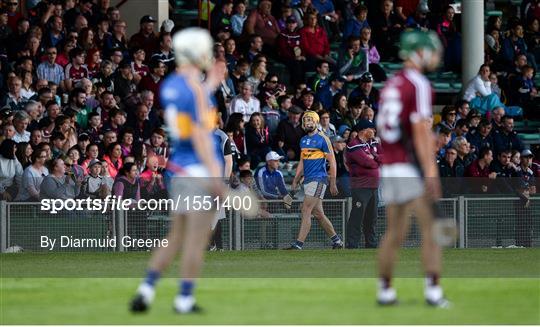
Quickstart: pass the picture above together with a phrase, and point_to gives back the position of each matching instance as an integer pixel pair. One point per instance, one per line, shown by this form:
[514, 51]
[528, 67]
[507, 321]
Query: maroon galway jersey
[405, 99]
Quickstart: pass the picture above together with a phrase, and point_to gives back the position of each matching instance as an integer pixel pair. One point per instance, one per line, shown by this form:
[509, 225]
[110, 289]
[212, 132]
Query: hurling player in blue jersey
[193, 165]
[315, 150]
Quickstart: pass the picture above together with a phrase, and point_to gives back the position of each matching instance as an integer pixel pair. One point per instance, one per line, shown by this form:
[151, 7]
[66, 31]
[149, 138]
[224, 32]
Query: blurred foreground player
[315, 150]
[410, 181]
[193, 165]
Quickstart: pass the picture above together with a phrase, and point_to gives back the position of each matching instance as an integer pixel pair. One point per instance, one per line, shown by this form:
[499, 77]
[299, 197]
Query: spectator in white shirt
[21, 121]
[10, 170]
[245, 103]
[478, 92]
[33, 176]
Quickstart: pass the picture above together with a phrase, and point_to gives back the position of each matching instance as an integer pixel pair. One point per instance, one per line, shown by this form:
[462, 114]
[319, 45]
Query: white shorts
[315, 189]
[186, 184]
[401, 183]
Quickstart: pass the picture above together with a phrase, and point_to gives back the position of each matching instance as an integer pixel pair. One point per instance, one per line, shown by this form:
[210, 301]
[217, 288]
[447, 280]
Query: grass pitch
[314, 287]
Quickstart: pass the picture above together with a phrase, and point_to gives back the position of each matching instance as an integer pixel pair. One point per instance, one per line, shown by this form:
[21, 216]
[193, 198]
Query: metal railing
[482, 222]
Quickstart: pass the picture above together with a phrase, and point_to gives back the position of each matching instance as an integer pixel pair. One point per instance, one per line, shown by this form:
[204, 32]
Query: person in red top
[13, 13]
[314, 42]
[363, 161]
[289, 51]
[480, 168]
[153, 80]
[76, 70]
[410, 178]
[261, 22]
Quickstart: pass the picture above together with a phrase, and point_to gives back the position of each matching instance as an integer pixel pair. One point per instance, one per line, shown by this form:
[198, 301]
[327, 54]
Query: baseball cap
[337, 77]
[94, 162]
[337, 139]
[366, 77]
[5, 112]
[526, 153]
[290, 19]
[363, 124]
[273, 155]
[422, 8]
[308, 91]
[296, 110]
[124, 64]
[147, 19]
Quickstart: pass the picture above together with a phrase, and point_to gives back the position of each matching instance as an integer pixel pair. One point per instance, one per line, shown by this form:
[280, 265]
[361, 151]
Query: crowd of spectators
[79, 99]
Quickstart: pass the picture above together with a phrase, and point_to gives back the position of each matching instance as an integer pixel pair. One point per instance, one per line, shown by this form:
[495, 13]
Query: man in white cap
[269, 179]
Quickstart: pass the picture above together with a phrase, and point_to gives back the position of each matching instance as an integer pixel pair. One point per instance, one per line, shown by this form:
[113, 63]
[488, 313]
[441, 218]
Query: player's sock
[186, 287]
[432, 279]
[433, 291]
[434, 294]
[152, 276]
[185, 301]
[385, 282]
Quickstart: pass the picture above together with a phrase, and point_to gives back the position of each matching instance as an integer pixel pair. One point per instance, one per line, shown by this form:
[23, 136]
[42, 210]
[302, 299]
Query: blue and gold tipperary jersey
[313, 151]
[186, 104]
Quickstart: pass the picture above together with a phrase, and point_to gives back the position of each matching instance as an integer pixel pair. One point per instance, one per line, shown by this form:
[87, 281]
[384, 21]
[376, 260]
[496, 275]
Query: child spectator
[94, 186]
[238, 19]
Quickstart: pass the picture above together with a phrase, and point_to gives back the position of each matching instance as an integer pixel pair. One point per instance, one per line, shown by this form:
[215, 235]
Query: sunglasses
[12, 4]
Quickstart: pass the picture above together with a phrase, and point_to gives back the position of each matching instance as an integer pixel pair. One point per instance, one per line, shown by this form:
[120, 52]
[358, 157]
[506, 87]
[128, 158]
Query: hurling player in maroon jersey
[410, 181]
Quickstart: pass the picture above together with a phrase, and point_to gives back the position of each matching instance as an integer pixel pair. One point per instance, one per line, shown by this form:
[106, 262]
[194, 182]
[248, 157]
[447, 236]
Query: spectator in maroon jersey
[481, 168]
[257, 139]
[157, 146]
[76, 70]
[290, 52]
[153, 80]
[93, 59]
[146, 38]
[116, 122]
[140, 70]
[13, 13]
[363, 161]
[141, 125]
[261, 22]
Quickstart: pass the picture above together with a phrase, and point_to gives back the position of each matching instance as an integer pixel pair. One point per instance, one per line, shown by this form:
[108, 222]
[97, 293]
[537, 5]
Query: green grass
[485, 286]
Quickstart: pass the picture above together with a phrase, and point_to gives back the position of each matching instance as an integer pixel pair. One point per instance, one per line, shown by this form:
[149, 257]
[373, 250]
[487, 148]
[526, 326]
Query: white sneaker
[147, 292]
[386, 296]
[434, 297]
[144, 297]
[185, 304]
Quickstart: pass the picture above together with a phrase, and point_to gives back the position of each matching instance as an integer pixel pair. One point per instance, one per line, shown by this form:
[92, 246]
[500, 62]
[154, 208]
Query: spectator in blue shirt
[506, 138]
[269, 179]
[354, 26]
[326, 94]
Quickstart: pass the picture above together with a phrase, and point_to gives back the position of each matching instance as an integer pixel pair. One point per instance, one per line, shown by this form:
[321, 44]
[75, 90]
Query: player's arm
[299, 174]
[424, 150]
[332, 172]
[227, 152]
